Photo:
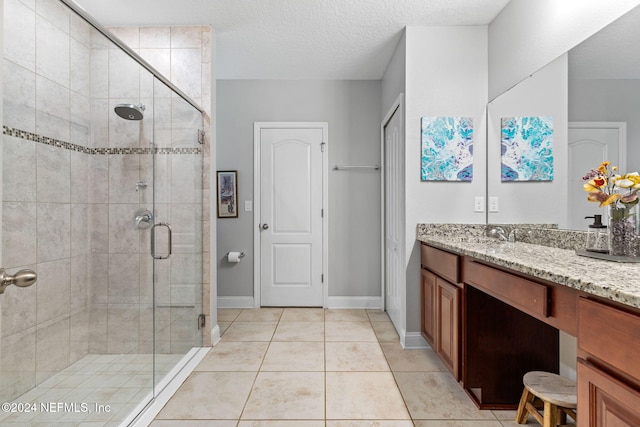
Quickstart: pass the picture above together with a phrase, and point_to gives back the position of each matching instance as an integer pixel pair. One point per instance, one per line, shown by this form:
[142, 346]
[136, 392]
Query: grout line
[253, 384]
[324, 326]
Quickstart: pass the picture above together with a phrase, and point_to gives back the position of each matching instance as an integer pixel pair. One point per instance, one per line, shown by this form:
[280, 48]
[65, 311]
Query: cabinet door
[427, 306]
[604, 400]
[448, 325]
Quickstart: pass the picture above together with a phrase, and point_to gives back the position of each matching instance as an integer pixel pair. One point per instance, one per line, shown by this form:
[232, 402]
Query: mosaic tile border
[30, 136]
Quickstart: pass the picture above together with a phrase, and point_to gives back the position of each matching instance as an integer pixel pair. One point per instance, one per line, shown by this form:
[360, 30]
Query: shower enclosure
[101, 198]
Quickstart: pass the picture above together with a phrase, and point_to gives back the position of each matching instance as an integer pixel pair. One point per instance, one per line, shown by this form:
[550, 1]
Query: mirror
[593, 94]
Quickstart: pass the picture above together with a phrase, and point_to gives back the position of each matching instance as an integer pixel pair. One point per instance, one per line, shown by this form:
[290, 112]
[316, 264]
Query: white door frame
[398, 105]
[257, 126]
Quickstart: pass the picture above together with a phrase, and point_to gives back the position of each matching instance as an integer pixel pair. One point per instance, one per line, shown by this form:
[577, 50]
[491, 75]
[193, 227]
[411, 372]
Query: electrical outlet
[248, 205]
[478, 204]
[493, 204]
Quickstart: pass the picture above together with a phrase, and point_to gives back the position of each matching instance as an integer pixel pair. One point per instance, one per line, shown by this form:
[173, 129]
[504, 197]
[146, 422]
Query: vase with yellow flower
[619, 193]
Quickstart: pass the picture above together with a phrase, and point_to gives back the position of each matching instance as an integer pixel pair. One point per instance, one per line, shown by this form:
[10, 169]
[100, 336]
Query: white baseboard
[414, 340]
[355, 302]
[332, 302]
[235, 302]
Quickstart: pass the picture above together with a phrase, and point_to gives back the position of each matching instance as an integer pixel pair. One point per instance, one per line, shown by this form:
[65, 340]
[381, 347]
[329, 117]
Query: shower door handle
[153, 240]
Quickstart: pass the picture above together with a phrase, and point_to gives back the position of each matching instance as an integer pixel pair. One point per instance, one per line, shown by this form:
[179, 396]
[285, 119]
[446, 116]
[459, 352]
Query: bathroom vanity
[492, 311]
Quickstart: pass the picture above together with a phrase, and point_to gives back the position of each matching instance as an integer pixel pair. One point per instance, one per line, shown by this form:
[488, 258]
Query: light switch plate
[478, 204]
[248, 205]
[493, 204]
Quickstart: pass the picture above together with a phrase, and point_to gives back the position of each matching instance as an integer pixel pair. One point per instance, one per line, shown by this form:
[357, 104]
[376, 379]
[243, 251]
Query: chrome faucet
[502, 235]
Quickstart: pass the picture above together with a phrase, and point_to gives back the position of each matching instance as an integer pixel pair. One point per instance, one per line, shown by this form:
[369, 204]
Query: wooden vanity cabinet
[490, 325]
[506, 332]
[448, 325]
[608, 365]
[427, 306]
[440, 305]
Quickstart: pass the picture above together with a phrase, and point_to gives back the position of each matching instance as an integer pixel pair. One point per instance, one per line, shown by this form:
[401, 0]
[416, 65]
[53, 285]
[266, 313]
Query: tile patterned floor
[319, 368]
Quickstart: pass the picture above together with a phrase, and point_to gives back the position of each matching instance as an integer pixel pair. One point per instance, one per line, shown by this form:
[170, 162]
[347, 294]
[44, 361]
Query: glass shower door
[177, 246]
[81, 337]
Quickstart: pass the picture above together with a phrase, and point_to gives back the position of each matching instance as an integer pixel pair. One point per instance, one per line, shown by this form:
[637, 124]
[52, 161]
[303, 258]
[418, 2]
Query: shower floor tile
[98, 389]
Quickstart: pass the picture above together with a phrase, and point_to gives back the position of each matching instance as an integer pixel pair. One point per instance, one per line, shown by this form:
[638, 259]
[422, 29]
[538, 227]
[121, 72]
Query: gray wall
[609, 101]
[543, 94]
[352, 109]
[394, 79]
[437, 84]
[523, 38]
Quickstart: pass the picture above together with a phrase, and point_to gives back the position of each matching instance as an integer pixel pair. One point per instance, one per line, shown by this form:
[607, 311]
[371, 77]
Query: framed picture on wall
[227, 194]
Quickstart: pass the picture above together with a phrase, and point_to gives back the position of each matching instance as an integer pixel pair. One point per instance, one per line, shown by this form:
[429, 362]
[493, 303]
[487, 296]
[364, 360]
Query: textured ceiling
[612, 53]
[298, 39]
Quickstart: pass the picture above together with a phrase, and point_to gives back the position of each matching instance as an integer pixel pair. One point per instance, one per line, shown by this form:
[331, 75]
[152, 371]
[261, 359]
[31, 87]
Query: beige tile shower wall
[67, 215]
[183, 55]
[117, 285]
[46, 199]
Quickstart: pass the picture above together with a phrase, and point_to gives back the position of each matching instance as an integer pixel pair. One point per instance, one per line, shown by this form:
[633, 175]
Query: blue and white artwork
[447, 149]
[527, 149]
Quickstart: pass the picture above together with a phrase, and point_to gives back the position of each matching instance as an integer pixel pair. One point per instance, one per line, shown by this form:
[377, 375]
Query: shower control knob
[144, 219]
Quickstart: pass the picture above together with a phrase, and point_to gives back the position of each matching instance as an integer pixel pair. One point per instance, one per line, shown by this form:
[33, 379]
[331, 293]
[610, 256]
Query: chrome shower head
[130, 111]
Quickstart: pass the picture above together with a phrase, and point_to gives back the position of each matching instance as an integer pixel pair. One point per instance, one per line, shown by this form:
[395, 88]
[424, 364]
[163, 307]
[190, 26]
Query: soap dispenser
[597, 236]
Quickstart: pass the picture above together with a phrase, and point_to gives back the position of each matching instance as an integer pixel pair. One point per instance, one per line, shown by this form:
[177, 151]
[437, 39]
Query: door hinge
[202, 321]
[322, 278]
[321, 213]
[322, 144]
[200, 136]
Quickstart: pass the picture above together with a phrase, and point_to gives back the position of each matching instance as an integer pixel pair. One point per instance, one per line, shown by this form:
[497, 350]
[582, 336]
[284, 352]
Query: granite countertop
[615, 281]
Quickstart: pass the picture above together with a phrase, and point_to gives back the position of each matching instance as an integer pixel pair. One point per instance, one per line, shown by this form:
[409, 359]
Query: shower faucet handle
[144, 219]
[22, 279]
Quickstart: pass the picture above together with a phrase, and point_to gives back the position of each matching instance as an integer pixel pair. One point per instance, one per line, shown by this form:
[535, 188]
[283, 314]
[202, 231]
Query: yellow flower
[604, 180]
[635, 178]
[630, 180]
[603, 166]
[612, 198]
[595, 184]
[624, 183]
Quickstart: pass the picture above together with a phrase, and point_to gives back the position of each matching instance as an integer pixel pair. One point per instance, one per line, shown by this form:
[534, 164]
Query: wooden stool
[554, 394]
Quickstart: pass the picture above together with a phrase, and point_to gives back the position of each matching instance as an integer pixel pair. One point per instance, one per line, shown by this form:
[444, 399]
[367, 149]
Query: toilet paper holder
[240, 256]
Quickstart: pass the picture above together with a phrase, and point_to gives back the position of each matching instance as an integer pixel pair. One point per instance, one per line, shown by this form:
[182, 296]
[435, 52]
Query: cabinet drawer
[525, 295]
[610, 334]
[441, 262]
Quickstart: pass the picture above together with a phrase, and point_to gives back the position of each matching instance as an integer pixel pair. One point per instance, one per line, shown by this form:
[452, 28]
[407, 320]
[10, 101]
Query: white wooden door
[394, 218]
[589, 145]
[291, 223]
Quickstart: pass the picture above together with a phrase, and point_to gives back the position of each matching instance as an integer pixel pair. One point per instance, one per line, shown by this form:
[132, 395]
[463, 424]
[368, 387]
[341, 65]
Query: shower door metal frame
[95, 24]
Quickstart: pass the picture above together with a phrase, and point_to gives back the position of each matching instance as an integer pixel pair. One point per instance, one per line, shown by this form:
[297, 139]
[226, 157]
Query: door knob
[265, 226]
[22, 279]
